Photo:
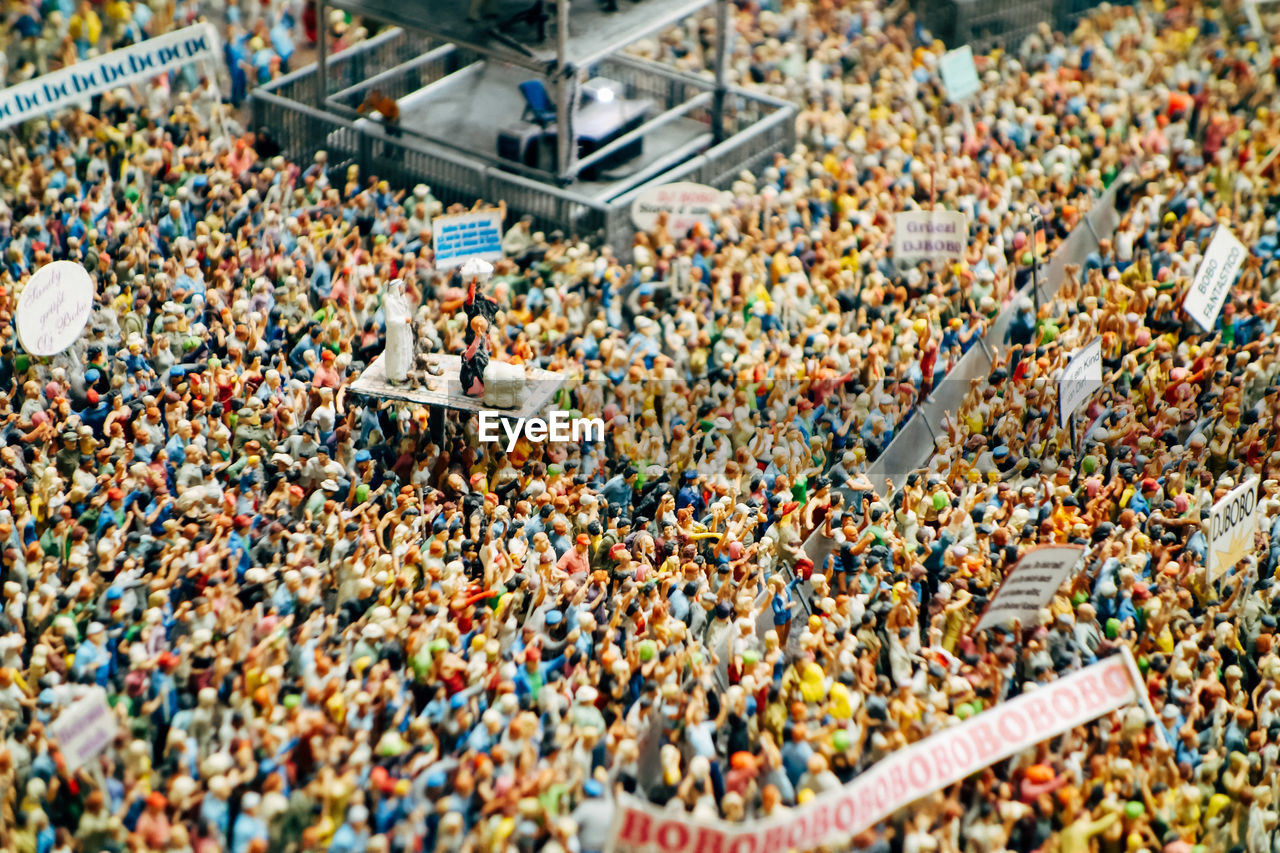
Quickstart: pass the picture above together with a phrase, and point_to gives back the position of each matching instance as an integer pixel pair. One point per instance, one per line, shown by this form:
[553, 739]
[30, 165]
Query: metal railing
[720, 165]
[381, 49]
[398, 63]
[913, 445]
[988, 24]
[416, 74]
[453, 179]
[301, 130]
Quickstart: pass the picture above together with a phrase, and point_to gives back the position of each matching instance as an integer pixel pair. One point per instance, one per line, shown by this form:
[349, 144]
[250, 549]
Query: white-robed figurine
[400, 344]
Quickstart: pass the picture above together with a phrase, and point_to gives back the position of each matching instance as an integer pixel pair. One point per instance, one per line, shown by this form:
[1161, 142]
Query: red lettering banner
[897, 781]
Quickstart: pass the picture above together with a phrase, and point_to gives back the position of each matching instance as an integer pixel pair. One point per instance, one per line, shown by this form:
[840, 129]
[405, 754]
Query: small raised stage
[443, 118]
[557, 151]
[542, 385]
[508, 33]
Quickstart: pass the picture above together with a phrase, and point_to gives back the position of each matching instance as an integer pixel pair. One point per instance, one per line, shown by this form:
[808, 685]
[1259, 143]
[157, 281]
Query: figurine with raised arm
[480, 311]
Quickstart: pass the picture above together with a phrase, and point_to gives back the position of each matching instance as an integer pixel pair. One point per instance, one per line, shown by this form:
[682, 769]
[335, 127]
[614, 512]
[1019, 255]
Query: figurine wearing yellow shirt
[1082, 826]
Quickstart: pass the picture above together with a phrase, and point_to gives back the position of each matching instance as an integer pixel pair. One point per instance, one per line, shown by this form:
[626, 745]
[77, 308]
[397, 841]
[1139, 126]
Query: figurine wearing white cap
[481, 311]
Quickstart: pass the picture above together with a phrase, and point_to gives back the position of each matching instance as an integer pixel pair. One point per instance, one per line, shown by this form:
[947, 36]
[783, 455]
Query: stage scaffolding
[455, 81]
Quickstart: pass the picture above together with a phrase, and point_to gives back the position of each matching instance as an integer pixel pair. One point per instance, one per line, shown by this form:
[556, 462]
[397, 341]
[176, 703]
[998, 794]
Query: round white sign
[53, 307]
[685, 204]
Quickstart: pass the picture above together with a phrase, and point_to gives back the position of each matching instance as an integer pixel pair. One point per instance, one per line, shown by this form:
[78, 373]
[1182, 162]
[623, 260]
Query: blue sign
[458, 239]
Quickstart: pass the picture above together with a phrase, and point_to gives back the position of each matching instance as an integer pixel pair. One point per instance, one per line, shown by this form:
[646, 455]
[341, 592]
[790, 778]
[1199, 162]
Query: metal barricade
[988, 24]
[399, 63]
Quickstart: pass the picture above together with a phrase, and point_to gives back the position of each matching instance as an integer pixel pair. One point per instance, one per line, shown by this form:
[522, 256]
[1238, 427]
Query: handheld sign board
[685, 203]
[53, 308]
[959, 74]
[84, 728]
[1213, 281]
[929, 235]
[458, 239]
[1232, 523]
[1080, 378]
[1031, 585]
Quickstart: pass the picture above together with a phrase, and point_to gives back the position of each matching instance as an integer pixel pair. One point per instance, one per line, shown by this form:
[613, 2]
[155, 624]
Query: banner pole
[1139, 689]
[211, 71]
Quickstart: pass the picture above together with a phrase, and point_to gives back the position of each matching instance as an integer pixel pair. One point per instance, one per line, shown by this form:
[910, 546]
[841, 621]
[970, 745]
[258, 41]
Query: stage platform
[542, 387]
[457, 101]
[444, 115]
[593, 33]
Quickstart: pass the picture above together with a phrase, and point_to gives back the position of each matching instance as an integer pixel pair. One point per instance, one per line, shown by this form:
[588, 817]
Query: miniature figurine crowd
[318, 627]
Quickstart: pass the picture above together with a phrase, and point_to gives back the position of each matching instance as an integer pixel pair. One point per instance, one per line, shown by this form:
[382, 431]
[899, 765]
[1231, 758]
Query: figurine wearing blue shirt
[353, 835]
[92, 663]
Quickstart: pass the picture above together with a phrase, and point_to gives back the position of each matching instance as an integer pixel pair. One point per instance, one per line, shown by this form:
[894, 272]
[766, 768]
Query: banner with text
[1232, 523]
[959, 74]
[898, 780]
[84, 728]
[151, 58]
[1031, 585]
[1080, 378]
[929, 235]
[1218, 270]
[457, 239]
[53, 307]
[685, 204]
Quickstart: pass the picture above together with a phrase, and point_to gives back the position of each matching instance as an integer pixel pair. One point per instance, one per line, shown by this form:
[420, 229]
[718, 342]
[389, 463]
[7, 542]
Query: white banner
[1232, 523]
[929, 235]
[1031, 584]
[1080, 378]
[959, 74]
[897, 781]
[53, 307]
[457, 239]
[81, 81]
[84, 728]
[685, 203]
[1255, 22]
[1218, 270]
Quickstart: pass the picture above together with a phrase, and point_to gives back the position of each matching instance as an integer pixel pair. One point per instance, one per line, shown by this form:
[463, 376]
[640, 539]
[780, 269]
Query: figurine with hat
[481, 311]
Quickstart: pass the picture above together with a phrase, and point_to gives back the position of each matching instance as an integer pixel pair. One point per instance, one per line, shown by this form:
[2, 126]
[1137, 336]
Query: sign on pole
[1213, 280]
[1232, 523]
[685, 203]
[1255, 21]
[959, 74]
[84, 728]
[53, 307]
[929, 235]
[1031, 584]
[80, 82]
[1259, 31]
[457, 239]
[1080, 378]
[900, 779]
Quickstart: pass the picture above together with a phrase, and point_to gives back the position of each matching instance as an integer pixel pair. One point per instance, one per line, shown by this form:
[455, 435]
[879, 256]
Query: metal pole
[1035, 262]
[564, 93]
[924, 416]
[982, 342]
[322, 46]
[211, 71]
[1094, 231]
[722, 70]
